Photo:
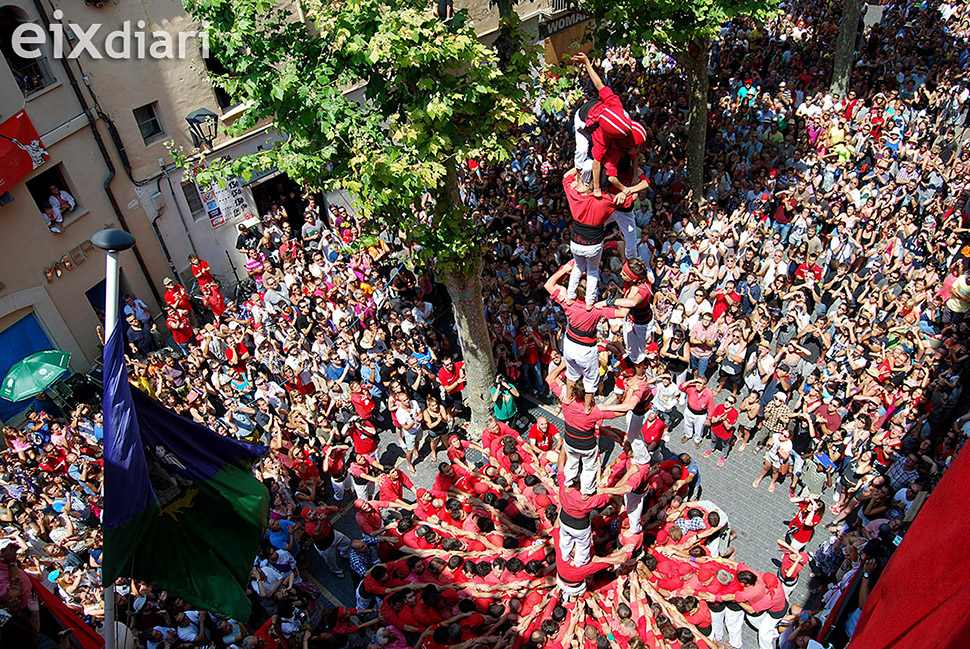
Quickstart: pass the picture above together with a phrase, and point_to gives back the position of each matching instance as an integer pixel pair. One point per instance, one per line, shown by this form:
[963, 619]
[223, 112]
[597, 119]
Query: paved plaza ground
[755, 514]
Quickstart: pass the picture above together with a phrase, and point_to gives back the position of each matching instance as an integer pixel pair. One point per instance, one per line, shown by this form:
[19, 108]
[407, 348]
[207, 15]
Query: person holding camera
[503, 400]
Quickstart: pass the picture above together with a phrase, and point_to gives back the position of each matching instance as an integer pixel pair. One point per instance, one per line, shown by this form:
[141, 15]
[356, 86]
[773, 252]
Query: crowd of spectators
[810, 307]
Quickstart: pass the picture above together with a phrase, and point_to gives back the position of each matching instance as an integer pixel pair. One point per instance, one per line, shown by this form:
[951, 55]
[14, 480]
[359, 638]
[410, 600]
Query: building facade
[101, 160]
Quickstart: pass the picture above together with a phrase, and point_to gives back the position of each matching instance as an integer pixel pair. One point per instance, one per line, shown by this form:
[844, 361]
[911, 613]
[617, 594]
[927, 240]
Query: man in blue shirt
[338, 368]
[280, 535]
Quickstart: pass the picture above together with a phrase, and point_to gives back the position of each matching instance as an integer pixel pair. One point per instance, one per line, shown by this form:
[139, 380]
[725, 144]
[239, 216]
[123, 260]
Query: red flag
[85, 636]
[21, 150]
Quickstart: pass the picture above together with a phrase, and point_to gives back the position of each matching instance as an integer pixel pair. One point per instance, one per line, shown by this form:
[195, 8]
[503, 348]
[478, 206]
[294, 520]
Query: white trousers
[576, 545]
[635, 340]
[341, 546]
[733, 621]
[587, 260]
[627, 224]
[584, 464]
[582, 362]
[788, 589]
[571, 591]
[364, 491]
[767, 627]
[582, 159]
[634, 433]
[340, 486]
[694, 425]
[634, 510]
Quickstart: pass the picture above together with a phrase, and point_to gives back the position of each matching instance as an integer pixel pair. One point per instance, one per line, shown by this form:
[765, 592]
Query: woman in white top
[708, 272]
[676, 319]
[695, 307]
[759, 368]
[408, 414]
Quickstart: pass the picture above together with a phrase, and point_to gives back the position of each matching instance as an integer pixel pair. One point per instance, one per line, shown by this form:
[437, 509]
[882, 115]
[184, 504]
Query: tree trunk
[697, 127]
[845, 46]
[503, 42]
[465, 289]
[476, 348]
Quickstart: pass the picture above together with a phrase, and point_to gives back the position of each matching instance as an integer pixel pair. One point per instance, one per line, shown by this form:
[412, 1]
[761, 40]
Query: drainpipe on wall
[178, 208]
[161, 243]
[92, 123]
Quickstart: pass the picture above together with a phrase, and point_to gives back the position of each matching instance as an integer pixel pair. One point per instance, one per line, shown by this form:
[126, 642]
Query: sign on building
[560, 23]
[226, 204]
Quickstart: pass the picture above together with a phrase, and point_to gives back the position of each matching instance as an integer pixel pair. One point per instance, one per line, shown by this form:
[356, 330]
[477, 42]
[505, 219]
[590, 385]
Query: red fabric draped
[922, 598]
[86, 637]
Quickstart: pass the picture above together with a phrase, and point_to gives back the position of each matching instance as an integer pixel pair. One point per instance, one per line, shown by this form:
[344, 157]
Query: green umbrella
[34, 374]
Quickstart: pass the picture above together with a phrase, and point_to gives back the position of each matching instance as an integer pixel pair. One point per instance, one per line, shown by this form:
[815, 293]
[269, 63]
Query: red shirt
[363, 405]
[802, 527]
[489, 438]
[580, 426]
[609, 112]
[543, 440]
[180, 328]
[427, 616]
[446, 377]
[235, 354]
[580, 322]
[725, 428]
[365, 441]
[698, 401]
[571, 501]
[528, 350]
[177, 297]
[472, 625]
[653, 431]
[790, 568]
[391, 490]
[263, 633]
[805, 269]
[589, 212]
[700, 618]
[398, 619]
[761, 597]
[214, 300]
[202, 273]
[721, 303]
[369, 522]
[319, 529]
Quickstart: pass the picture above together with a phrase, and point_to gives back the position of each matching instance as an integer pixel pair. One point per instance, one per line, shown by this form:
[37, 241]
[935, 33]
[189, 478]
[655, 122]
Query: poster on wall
[21, 151]
[228, 204]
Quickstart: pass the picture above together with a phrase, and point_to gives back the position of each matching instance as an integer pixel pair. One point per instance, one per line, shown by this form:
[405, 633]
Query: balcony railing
[559, 6]
[32, 75]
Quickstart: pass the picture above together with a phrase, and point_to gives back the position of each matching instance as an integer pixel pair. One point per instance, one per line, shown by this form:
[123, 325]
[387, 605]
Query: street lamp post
[203, 126]
[112, 242]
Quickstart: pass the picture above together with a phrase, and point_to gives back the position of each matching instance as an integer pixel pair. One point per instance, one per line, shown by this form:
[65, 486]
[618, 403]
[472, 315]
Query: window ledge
[76, 214]
[43, 91]
[155, 139]
[233, 113]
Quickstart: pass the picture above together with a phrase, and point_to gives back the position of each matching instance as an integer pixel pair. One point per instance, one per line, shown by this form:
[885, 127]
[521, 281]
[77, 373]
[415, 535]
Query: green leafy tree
[683, 29]
[434, 97]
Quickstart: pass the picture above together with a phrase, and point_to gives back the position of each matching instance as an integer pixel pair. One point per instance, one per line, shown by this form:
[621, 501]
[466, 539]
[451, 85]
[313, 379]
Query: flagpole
[112, 242]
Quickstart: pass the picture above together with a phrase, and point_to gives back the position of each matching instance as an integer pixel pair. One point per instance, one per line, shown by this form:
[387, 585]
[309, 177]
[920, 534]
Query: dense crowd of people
[810, 307]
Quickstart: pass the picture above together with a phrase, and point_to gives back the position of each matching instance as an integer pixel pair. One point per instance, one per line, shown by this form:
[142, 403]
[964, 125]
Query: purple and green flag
[182, 509]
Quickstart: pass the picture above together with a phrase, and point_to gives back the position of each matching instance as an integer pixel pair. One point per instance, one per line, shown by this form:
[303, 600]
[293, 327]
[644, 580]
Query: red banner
[922, 597]
[21, 150]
